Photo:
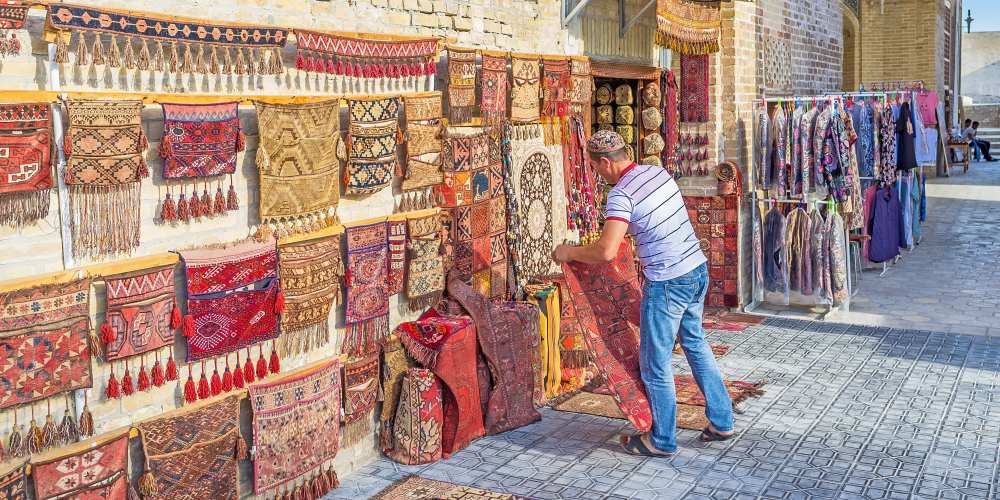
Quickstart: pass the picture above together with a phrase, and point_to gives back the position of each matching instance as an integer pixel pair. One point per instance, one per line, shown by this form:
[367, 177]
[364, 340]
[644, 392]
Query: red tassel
[171, 368]
[232, 202]
[216, 381]
[227, 378]
[157, 374]
[183, 210]
[261, 364]
[340, 68]
[168, 211]
[300, 62]
[275, 364]
[404, 70]
[220, 201]
[206, 203]
[127, 388]
[204, 391]
[248, 373]
[348, 69]
[143, 383]
[189, 393]
[107, 334]
[279, 303]
[237, 374]
[194, 205]
[112, 392]
[330, 67]
[175, 317]
[357, 70]
[188, 327]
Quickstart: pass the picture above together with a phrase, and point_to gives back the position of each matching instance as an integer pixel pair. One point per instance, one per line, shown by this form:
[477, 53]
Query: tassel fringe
[292, 342]
[105, 219]
[26, 207]
[366, 336]
[358, 430]
[420, 353]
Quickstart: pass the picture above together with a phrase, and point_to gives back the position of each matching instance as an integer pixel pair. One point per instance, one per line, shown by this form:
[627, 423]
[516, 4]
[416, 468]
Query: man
[646, 201]
[981, 145]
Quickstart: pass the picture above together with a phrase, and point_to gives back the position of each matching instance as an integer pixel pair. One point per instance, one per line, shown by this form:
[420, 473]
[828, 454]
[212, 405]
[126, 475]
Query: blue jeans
[668, 308]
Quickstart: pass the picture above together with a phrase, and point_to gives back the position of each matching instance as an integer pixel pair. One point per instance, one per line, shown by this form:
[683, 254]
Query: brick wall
[904, 41]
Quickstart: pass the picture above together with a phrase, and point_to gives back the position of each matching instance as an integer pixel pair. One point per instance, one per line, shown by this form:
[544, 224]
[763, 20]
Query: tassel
[143, 383]
[232, 202]
[174, 60]
[200, 65]
[147, 484]
[194, 204]
[206, 203]
[241, 144]
[175, 317]
[112, 391]
[15, 445]
[68, 429]
[62, 47]
[240, 449]
[127, 388]
[332, 478]
[237, 374]
[183, 212]
[188, 327]
[157, 374]
[86, 419]
[107, 334]
[142, 59]
[216, 381]
[251, 68]
[248, 373]
[97, 52]
[349, 69]
[171, 368]
[227, 378]
[300, 62]
[227, 65]
[190, 395]
[213, 61]
[275, 364]
[187, 63]
[279, 303]
[220, 201]
[128, 57]
[34, 438]
[81, 50]
[239, 63]
[50, 434]
[157, 61]
[261, 364]
[263, 65]
[204, 391]
[169, 211]
[330, 67]
[114, 56]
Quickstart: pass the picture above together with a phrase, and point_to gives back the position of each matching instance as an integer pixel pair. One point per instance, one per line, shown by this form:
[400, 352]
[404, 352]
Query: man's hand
[562, 253]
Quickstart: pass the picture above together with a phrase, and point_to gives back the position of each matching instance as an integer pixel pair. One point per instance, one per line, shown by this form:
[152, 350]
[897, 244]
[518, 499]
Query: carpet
[367, 311]
[193, 455]
[104, 167]
[425, 268]
[372, 142]
[606, 298]
[508, 337]
[395, 363]
[555, 87]
[358, 57]
[416, 431]
[85, 473]
[296, 425]
[396, 263]
[311, 274]
[719, 350]
[46, 328]
[300, 177]
[200, 141]
[423, 151]
[493, 103]
[461, 84]
[25, 166]
[418, 488]
[361, 384]
[13, 484]
[690, 417]
[694, 88]
[524, 105]
[716, 223]
[12, 17]
[739, 391]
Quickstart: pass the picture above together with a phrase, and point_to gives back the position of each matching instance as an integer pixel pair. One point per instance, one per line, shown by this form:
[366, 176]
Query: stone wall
[518, 25]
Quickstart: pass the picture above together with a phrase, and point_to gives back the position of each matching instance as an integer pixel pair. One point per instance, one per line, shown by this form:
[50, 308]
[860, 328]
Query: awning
[688, 26]
[623, 71]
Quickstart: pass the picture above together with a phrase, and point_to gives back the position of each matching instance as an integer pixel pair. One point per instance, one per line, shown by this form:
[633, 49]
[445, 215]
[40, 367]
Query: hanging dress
[884, 227]
[774, 252]
[905, 139]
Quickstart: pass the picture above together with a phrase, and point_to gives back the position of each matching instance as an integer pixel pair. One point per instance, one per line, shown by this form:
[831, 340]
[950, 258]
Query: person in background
[980, 148]
[647, 202]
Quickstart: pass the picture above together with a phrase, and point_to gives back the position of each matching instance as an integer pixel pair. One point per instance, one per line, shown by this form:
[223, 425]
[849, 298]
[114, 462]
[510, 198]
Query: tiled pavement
[849, 412]
[948, 282]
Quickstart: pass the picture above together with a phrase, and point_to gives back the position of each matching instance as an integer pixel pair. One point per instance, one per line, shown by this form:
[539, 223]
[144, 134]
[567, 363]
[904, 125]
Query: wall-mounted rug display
[423, 151]
[361, 384]
[25, 161]
[373, 138]
[493, 104]
[461, 84]
[689, 26]
[365, 57]
[93, 470]
[694, 89]
[312, 273]
[525, 87]
[367, 314]
[425, 266]
[13, 13]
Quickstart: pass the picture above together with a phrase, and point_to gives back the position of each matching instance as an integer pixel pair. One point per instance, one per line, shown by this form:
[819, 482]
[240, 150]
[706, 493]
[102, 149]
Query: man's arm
[599, 252]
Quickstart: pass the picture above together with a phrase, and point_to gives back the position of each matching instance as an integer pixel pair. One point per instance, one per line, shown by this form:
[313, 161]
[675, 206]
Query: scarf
[493, 105]
[373, 138]
[524, 90]
[386, 60]
[423, 151]
[367, 313]
[461, 84]
[311, 273]
[25, 169]
[688, 26]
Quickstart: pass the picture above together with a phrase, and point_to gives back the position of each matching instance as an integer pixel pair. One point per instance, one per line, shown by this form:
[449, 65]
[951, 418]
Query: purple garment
[775, 268]
[869, 213]
[885, 226]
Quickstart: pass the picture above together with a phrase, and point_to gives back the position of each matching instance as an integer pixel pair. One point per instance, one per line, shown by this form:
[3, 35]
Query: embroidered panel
[361, 378]
[200, 140]
[297, 159]
[373, 138]
[139, 311]
[25, 162]
[44, 334]
[395, 364]
[207, 48]
[555, 92]
[423, 138]
[493, 104]
[423, 174]
[461, 84]
[416, 428]
[311, 274]
[13, 484]
[581, 84]
[423, 145]
[607, 299]
[688, 26]
[191, 455]
[423, 106]
[425, 269]
[296, 425]
[76, 474]
[524, 107]
[716, 223]
[367, 312]
[694, 88]
[12, 16]
[365, 57]
[373, 110]
[232, 294]
[396, 264]
[507, 335]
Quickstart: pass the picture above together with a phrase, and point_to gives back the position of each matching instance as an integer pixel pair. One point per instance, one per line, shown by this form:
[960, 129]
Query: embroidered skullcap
[605, 141]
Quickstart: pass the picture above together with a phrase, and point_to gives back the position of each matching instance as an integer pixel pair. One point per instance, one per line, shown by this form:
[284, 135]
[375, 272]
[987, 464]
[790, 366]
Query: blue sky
[986, 14]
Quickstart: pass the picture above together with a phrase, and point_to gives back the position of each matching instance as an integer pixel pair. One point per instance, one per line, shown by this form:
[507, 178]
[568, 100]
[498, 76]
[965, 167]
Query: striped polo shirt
[648, 199]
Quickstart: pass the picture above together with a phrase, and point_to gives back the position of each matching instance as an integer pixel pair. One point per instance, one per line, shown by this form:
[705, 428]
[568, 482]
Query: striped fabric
[648, 199]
